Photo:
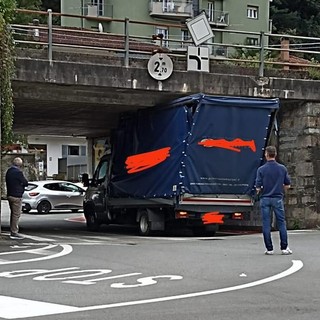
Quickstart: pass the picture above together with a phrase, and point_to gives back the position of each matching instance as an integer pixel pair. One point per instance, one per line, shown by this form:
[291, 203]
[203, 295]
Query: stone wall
[29, 168]
[299, 150]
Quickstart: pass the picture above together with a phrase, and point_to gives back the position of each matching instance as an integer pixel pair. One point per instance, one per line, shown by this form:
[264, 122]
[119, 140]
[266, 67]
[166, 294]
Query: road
[61, 271]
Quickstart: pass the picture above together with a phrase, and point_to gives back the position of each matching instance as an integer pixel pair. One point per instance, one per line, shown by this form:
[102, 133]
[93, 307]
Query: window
[168, 6]
[73, 150]
[101, 172]
[83, 151]
[165, 34]
[184, 37]
[100, 5]
[67, 187]
[252, 41]
[211, 11]
[252, 12]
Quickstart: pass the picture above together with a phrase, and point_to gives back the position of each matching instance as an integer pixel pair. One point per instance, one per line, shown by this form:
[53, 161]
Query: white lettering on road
[14, 308]
[146, 281]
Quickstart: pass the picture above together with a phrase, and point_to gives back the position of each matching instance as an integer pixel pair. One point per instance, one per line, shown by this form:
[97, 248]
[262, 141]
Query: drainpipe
[261, 64]
[50, 36]
[126, 43]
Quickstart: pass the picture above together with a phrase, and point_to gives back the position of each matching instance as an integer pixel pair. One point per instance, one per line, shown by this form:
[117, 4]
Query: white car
[47, 195]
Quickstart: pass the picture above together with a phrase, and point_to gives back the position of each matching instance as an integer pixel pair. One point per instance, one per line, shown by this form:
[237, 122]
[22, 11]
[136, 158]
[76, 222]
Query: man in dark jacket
[271, 181]
[15, 182]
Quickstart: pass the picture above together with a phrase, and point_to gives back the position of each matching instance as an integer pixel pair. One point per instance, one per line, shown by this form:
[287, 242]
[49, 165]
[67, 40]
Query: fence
[270, 51]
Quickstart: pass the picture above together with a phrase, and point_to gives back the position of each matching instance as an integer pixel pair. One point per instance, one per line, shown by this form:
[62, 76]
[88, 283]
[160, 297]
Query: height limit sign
[160, 66]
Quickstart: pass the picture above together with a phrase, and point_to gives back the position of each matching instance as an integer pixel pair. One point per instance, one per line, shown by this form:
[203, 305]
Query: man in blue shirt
[271, 181]
[15, 182]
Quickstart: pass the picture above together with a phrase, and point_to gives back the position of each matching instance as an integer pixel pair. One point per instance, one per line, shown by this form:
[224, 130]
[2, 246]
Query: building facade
[59, 157]
[223, 16]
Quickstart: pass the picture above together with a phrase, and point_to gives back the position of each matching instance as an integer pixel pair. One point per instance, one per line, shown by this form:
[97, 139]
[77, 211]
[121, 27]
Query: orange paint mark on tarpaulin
[212, 217]
[143, 161]
[233, 145]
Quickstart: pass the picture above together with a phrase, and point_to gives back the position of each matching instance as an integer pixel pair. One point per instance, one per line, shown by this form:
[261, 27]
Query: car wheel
[144, 224]
[26, 210]
[44, 207]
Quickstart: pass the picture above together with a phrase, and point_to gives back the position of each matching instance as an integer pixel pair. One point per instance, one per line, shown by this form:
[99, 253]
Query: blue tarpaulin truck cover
[197, 145]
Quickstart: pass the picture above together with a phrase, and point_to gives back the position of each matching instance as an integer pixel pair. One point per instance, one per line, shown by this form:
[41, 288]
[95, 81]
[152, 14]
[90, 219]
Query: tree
[51, 4]
[296, 17]
[30, 5]
[7, 11]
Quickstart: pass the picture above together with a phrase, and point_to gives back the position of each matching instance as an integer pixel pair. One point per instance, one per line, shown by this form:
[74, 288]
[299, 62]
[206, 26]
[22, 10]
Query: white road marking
[66, 249]
[14, 308]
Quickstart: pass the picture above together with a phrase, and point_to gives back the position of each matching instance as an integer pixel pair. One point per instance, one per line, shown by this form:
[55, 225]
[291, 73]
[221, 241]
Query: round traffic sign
[160, 66]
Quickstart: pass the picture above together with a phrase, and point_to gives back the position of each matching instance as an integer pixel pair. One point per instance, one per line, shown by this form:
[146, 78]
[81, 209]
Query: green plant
[314, 73]
[7, 68]
[296, 224]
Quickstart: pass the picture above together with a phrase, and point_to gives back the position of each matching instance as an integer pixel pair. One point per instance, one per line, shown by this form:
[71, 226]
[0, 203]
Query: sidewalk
[5, 227]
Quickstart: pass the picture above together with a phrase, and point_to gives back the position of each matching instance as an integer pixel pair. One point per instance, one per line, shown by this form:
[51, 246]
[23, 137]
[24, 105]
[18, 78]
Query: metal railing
[101, 10]
[267, 51]
[217, 17]
[177, 7]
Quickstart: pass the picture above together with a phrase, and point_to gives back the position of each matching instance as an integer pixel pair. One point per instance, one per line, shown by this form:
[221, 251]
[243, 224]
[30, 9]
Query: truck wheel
[144, 224]
[92, 221]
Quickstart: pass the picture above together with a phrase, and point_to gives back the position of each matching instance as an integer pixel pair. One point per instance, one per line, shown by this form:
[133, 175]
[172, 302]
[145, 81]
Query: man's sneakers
[286, 251]
[16, 236]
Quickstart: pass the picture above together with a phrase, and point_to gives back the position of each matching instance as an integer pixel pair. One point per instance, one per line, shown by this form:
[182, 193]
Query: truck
[190, 163]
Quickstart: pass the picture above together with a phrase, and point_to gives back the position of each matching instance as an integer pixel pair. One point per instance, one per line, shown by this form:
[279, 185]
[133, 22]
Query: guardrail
[277, 51]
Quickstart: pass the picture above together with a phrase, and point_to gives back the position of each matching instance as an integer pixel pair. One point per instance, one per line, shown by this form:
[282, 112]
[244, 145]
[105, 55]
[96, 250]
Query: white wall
[54, 148]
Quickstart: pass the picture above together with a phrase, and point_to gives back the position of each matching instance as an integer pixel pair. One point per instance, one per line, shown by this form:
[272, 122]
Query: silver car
[52, 195]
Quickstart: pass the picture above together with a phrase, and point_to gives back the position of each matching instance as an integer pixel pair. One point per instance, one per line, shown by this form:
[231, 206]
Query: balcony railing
[175, 9]
[217, 17]
[91, 10]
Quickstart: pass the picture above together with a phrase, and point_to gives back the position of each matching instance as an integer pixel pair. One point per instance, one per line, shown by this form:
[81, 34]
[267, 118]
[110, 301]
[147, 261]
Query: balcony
[217, 18]
[171, 9]
[103, 10]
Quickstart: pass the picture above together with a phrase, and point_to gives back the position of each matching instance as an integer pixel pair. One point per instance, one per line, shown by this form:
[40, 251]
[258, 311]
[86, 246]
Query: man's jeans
[266, 206]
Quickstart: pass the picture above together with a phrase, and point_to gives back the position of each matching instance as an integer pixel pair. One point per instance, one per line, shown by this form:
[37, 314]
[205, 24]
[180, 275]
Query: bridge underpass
[82, 96]
[55, 109]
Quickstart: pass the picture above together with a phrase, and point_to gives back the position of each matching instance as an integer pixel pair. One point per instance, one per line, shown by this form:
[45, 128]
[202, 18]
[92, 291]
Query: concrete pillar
[285, 54]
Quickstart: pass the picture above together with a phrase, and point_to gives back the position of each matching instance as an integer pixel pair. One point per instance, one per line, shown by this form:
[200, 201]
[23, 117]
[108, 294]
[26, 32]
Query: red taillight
[237, 216]
[182, 214]
[33, 194]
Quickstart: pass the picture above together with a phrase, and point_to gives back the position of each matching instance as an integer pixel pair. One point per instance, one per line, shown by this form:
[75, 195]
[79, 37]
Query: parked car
[52, 195]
